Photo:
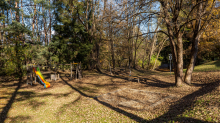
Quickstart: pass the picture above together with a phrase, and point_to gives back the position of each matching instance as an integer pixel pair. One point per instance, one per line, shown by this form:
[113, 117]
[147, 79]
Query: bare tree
[203, 16]
[176, 24]
[160, 47]
[152, 48]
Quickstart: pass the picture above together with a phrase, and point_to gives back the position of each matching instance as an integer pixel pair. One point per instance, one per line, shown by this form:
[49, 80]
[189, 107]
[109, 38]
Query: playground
[145, 96]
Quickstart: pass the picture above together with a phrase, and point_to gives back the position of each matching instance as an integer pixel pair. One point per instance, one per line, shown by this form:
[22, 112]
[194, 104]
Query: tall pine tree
[72, 40]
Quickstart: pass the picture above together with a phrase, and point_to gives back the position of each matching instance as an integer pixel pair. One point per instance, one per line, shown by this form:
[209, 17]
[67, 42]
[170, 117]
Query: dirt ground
[151, 91]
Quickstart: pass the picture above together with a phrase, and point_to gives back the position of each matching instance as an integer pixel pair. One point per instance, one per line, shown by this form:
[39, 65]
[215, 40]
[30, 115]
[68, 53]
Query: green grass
[205, 108]
[64, 103]
[206, 67]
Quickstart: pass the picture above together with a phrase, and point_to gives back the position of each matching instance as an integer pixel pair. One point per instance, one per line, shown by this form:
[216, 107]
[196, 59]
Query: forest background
[101, 34]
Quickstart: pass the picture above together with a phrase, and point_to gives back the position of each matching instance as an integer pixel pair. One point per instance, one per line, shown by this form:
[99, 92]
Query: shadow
[184, 103]
[5, 78]
[180, 119]
[19, 118]
[177, 108]
[158, 83]
[24, 95]
[146, 72]
[3, 114]
[36, 104]
[130, 115]
[217, 63]
[155, 83]
[81, 93]
[69, 76]
[64, 107]
[10, 85]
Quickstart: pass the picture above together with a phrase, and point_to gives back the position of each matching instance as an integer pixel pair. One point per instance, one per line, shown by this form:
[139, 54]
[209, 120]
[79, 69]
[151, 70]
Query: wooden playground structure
[74, 68]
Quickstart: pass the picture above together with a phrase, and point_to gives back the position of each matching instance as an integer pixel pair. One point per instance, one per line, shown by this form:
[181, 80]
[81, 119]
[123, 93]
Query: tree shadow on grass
[18, 96]
[19, 118]
[130, 115]
[65, 106]
[155, 82]
[185, 103]
[7, 79]
[3, 114]
[217, 63]
[177, 108]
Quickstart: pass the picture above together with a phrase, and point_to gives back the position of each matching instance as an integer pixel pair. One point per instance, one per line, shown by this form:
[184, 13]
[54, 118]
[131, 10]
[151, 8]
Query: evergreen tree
[71, 41]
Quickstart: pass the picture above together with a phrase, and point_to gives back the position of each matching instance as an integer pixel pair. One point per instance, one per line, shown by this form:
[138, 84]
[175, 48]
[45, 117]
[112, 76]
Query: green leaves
[72, 42]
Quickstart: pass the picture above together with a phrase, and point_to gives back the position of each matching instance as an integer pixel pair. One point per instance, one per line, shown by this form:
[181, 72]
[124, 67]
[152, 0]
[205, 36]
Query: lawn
[86, 100]
[207, 67]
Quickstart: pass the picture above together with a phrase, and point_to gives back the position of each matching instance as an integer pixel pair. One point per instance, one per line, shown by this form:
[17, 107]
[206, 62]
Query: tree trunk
[135, 50]
[160, 48]
[97, 55]
[176, 49]
[3, 33]
[145, 52]
[11, 11]
[111, 39]
[194, 50]
[50, 23]
[22, 18]
[113, 53]
[18, 60]
[93, 17]
[45, 30]
[86, 16]
[176, 59]
[37, 17]
[1, 27]
[190, 68]
[152, 46]
[179, 60]
[0, 34]
[98, 42]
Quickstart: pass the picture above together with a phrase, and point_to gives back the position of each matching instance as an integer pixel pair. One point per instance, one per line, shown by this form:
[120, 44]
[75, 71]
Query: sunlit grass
[65, 104]
[204, 108]
[207, 67]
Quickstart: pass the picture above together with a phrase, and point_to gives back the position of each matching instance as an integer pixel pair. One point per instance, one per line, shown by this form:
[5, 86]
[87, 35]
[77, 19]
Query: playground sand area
[110, 98]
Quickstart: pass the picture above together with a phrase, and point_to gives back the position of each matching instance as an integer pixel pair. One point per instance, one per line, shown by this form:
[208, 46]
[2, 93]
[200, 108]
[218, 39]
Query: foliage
[71, 42]
[15, 53]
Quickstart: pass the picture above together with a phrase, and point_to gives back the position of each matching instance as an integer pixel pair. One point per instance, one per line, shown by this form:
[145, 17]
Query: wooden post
[31, 73]
[27, 73]
[76, 70]
[35, 77]
[71, 70]
[110, 68]
[79, 72]
[55, 72]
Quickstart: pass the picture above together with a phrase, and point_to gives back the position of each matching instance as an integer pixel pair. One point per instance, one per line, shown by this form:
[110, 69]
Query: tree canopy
[109, 34]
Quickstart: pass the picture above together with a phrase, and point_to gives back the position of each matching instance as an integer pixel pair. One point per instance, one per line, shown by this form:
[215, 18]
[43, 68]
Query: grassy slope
[209, 66]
